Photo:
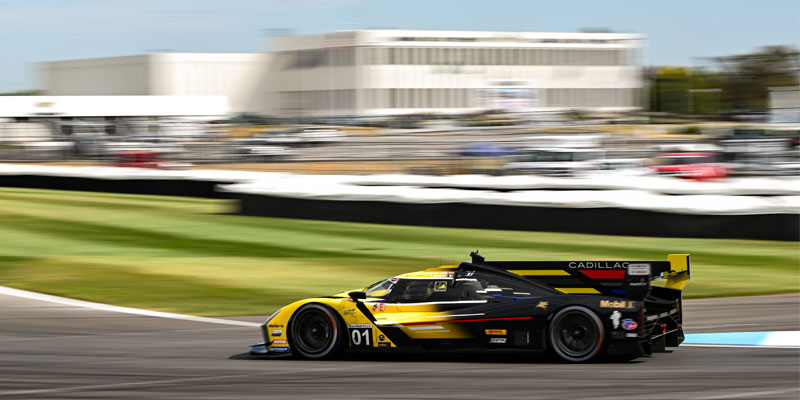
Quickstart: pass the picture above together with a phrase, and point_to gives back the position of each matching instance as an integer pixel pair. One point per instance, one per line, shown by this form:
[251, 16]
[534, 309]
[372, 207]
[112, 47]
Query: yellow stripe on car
[578, 290]
[539, 272]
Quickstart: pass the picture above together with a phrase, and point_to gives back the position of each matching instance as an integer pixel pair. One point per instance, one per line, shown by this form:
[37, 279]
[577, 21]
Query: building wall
[127, 75]
[396, 72]
[232, 75]
[197, 74]
[382, 73]
[784, 105]
[33, 107]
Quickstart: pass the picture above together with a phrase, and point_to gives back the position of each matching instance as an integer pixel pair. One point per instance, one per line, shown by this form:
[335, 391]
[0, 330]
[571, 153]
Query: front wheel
[315, 332]
[577, 334]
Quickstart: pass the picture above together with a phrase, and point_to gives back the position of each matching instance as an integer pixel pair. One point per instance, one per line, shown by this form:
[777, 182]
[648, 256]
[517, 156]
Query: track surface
[56, 351]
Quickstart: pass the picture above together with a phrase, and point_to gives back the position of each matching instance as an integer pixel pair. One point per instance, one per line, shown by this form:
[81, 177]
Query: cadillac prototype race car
[578, 310]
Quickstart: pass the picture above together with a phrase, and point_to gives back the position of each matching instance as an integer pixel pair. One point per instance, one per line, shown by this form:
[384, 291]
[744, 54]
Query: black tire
[316, 332]
[577, 334]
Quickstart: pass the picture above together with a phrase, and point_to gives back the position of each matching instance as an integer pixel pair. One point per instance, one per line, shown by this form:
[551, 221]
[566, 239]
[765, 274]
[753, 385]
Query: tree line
[738, 83]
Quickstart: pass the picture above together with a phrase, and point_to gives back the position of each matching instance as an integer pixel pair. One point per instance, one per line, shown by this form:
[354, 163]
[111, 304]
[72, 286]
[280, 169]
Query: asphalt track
[50, 350]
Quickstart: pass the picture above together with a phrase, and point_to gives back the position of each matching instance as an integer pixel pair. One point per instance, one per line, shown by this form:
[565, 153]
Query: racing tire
[577, 334]
[315, 332]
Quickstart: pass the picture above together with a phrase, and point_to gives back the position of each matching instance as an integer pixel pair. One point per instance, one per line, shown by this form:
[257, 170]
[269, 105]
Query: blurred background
[675, 125]
[504, 97]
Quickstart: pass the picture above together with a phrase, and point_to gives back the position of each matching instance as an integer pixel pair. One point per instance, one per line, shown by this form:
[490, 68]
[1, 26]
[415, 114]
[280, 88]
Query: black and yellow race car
[578, 310]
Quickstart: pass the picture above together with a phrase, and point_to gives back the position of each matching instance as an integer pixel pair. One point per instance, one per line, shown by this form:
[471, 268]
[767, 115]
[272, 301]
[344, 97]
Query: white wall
[233, 75]
[580, 73]
[198, 74]
[113, 106]
[97, 76]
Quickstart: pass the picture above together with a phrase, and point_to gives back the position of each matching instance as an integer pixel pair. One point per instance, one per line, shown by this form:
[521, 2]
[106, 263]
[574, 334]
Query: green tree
[746, 78]
[24, 93]
[705, 95]
[669, 89]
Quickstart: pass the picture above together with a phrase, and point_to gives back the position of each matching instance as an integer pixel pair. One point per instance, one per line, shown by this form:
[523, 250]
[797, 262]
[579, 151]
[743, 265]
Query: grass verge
[193, 256]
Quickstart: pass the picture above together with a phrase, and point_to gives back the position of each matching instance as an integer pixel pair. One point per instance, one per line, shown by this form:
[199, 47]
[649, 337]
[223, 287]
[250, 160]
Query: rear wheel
[315, 332]
[577, 334]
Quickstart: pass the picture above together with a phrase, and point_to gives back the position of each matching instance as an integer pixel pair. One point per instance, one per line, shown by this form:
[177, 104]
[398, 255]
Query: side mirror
[358, 295]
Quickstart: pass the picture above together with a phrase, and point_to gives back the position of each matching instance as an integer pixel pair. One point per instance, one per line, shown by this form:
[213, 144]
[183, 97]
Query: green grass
[193, 256]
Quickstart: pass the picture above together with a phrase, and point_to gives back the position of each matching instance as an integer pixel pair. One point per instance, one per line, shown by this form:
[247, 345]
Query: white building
[382, 72]
[38, 107]
[33, 118]
[784, 106]
[385, 72]
[233, 75]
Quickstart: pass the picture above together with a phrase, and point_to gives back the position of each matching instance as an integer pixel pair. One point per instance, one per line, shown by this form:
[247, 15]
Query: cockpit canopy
[453, 286]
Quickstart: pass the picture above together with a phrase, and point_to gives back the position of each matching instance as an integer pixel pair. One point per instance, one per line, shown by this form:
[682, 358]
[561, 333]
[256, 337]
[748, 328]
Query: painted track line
[118, 309]
[748, 395]
[738, 346]
[770, 339]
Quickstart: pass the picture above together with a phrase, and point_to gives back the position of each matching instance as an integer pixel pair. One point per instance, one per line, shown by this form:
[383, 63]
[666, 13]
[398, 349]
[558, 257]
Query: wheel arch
[595, 314]
[344, 342]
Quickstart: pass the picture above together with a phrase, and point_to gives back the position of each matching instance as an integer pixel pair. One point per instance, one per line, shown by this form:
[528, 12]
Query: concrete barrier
[653, 206]
[161, 187]
[607, 221]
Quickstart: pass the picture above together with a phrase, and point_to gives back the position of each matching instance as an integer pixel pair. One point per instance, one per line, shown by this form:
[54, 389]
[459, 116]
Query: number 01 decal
[361, 337]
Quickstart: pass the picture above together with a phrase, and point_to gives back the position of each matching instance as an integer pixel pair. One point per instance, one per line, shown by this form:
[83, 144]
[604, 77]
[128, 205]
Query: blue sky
[678, 31]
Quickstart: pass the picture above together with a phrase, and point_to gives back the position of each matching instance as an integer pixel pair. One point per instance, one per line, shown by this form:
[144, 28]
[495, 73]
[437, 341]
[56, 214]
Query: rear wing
[629, 279]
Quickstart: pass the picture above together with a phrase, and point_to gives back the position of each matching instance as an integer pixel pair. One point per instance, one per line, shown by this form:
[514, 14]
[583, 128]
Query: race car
[577, 310]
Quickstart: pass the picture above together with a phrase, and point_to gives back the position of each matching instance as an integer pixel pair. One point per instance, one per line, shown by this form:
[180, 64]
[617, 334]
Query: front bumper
[264, 349]
[258, 349]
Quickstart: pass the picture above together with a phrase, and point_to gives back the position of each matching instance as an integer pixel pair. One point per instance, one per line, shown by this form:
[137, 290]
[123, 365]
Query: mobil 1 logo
[360, 335]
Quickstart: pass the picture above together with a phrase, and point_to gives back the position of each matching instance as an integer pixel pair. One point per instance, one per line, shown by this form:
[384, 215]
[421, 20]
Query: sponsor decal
[381, 338]
[275, 326]
[639, 269]
[638, 283]
[629, 324]
[384, 344]
[631, 335]
[279, 341]
[495, 331]
[382, 307]
[357, 326]
[349, 309]
[497, 340]
[374, 307]
[440, 286]
[279, 349]
[543, 305]
[598, 264]
[277, 332]
[617, 304]
[615, 316]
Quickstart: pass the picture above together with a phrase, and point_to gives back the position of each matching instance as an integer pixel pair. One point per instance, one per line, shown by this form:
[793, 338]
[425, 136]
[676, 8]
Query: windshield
[381, 289]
